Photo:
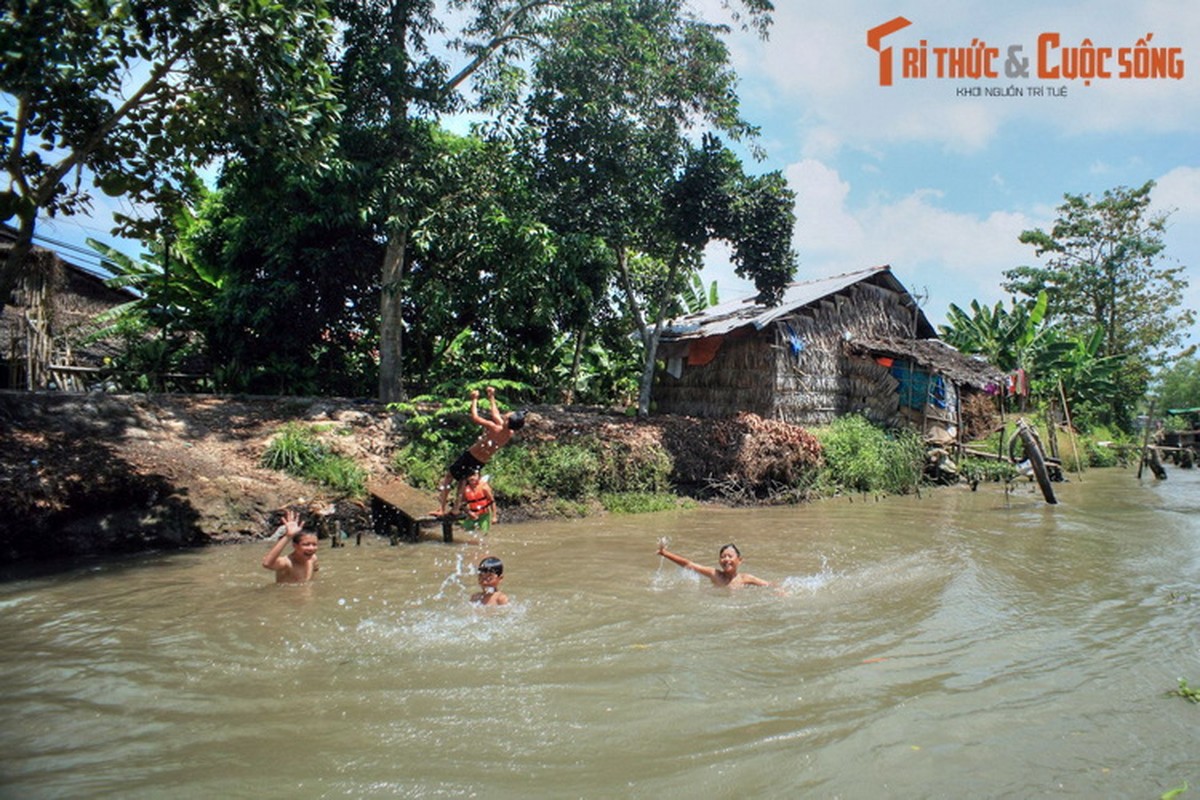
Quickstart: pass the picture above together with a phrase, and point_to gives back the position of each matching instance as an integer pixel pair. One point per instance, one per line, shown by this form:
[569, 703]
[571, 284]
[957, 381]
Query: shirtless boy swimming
[491, 572]
[301, 564]
[726, 574]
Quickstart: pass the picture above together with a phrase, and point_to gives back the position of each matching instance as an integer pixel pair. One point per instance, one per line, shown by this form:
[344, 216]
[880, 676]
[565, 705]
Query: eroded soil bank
[98, 474]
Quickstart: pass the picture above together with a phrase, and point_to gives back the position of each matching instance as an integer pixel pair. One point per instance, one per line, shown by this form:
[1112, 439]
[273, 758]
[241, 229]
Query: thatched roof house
[44, 322]
[851, 343]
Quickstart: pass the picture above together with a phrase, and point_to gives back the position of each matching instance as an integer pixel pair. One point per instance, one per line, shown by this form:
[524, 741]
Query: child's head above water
[490, 572]
[729, 558]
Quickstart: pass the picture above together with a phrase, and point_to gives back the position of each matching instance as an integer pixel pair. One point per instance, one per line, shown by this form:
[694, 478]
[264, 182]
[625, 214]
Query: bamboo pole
[1070, 429]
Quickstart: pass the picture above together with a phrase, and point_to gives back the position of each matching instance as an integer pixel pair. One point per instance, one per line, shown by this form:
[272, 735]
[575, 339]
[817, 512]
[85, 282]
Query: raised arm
[707, 572]
[499, 420]
[494, 425]
[274, 559]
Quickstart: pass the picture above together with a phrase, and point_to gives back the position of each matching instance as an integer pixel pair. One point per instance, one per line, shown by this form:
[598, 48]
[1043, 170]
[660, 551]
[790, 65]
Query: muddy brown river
[960, 644]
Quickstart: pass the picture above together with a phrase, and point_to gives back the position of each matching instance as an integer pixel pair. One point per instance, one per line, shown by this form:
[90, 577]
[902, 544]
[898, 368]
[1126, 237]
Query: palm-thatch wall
[855, 343]
[45, 323]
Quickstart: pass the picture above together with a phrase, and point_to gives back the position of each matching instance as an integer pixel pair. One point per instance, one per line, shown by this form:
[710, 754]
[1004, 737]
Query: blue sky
[940, 185]
[936, 184]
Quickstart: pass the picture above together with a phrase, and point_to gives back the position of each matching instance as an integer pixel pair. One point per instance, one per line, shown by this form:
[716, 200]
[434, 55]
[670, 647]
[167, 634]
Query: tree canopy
[349, 234]
[1104, 271]
[133, 96]
[614, 98]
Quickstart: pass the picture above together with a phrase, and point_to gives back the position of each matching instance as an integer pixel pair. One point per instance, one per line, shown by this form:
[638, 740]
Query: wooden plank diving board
[399, 510]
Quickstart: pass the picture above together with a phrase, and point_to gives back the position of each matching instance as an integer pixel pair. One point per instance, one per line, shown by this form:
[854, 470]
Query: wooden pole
[1070, 429]
[1052, 431]
[1003, 421]
[1145, 438]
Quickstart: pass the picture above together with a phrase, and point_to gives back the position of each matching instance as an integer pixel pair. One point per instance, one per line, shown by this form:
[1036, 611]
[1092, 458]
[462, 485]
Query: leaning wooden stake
[1070, 430]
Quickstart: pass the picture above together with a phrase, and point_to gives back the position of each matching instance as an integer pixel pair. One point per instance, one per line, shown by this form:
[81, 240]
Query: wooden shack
[45, 324]
[851, 343]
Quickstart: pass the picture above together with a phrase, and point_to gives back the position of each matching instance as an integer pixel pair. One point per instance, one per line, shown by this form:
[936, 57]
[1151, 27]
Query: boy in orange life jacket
[479, 504]
[496, 433]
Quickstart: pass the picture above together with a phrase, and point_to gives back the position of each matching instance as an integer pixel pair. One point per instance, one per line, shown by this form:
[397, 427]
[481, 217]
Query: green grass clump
[639, 502]
[860, 457]
[576, 474]
[298, 451]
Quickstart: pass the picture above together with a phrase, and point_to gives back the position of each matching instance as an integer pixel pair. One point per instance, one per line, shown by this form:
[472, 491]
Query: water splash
[663, 543]
[810, 583]
[454, 579]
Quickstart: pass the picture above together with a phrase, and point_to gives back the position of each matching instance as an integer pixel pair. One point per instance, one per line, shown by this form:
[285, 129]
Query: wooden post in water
[1145, 439]
[1070, 429]
[1052, 431]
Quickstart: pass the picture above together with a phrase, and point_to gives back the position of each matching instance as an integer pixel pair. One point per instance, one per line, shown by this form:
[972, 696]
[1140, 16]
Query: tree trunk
[18, 261]
[576, 361]
[647, 384]
[391, 319]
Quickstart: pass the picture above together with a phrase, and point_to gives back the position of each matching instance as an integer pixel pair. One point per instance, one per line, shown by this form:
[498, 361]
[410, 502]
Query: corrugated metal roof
[725, 317]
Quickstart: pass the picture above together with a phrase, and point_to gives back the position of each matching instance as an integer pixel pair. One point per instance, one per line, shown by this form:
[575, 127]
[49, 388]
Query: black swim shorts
[465, 466]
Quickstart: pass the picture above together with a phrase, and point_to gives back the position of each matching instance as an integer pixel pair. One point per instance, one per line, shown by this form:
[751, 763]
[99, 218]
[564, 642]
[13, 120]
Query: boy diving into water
[497, 431]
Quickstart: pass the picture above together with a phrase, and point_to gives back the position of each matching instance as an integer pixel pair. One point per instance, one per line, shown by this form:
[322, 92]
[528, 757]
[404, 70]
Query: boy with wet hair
[729, 557]
[301, 564]
[491, 572]
[497, 431]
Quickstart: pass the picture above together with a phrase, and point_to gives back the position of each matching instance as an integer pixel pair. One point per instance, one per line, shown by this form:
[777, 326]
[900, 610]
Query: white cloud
[817, 67]
[952, 257]
[1178, 192]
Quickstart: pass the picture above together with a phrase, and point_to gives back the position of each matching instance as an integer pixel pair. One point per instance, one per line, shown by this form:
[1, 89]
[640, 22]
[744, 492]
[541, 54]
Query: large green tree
[132, 96]
[1105, 269]
[617, 100]
[295, 309]
[402, 67]
[1178, 384]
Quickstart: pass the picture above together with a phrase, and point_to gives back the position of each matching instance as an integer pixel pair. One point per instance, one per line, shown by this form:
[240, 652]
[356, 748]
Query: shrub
[860, 457]
[298, 451]
[424, 463]
[624, 468]
[339, 473]
[566, 470]
[293, 449]
[638, 502]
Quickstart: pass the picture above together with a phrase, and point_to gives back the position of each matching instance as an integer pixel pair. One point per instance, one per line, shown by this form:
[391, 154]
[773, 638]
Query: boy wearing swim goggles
[490, 572]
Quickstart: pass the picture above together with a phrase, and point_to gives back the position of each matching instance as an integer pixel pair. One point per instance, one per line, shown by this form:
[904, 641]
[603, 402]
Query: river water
[958, 644]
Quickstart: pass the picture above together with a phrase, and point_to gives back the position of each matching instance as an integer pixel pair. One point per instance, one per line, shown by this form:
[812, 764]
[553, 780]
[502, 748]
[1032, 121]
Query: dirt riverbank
[100, 474]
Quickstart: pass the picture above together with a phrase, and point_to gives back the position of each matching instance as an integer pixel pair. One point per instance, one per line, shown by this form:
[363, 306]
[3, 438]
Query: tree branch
[499, 40]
